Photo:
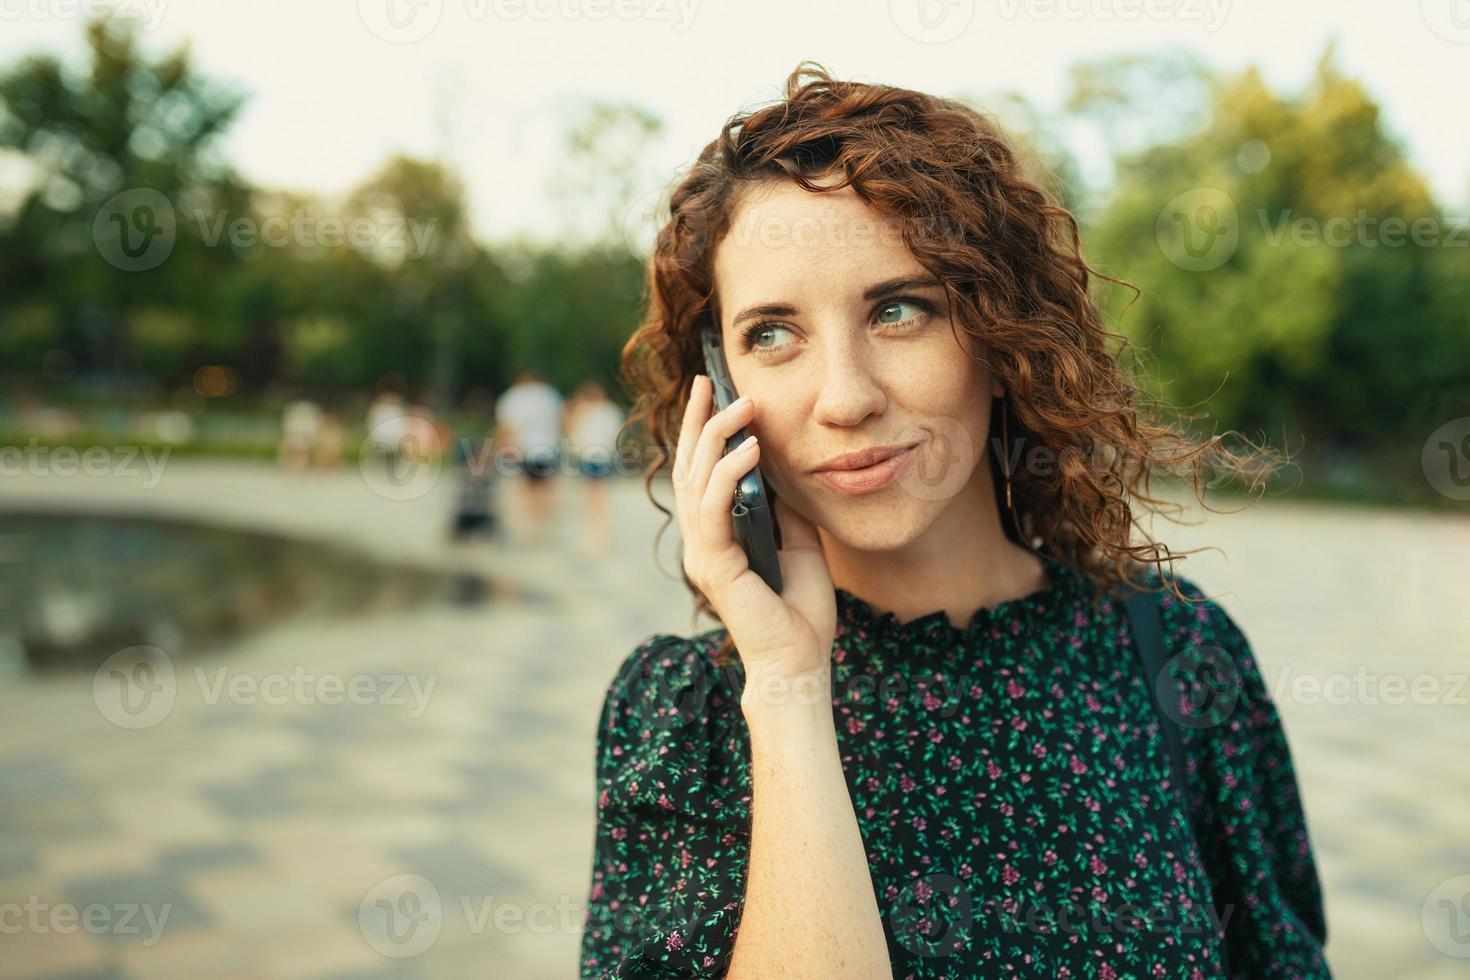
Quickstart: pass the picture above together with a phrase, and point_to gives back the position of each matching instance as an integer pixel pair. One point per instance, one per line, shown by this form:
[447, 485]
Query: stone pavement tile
[336, 870]
[258, 902]
[323, 950]
[102, 853]
[213, 952]
[457, 869]
[253, 799]
[385, 831]
[47, 952]
[138, 903]
[18, 854]
[38, 777]
[1384, 938]
[402, 773]
[489, 780]
[167, 815]
[59, 819]
[462, 951]
[539, 953]
[189, 859]
[237, 753]
[543, 849]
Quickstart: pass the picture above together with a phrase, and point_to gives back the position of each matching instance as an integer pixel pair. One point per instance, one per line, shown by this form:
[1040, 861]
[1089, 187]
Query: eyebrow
[879, 291]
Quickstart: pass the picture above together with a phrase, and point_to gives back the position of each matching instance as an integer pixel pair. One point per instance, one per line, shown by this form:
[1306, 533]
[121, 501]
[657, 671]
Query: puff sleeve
[672, 839]
[1244, 798]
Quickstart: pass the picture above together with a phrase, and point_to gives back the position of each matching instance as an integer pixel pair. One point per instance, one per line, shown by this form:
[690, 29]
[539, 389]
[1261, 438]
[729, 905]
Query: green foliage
[1359, 344]
[1308, 318]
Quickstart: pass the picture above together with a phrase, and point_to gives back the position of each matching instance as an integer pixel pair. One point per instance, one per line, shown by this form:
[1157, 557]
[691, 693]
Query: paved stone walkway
[289, 837]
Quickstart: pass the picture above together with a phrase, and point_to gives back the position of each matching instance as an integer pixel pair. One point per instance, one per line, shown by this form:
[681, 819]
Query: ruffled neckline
[854, 615]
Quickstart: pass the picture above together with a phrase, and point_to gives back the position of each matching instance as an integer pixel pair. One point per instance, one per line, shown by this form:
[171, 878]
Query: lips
[865, 472]
[862, 459]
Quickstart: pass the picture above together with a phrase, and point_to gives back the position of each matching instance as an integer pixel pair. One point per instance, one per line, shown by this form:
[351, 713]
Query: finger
[714, 438]
[696, 413]
[716, 530]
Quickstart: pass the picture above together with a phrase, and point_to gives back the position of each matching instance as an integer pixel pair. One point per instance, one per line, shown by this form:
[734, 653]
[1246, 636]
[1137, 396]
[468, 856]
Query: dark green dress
[1013, 791]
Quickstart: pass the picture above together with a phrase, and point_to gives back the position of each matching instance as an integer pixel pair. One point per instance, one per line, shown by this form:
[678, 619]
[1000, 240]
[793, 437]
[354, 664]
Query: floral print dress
[1013, 791]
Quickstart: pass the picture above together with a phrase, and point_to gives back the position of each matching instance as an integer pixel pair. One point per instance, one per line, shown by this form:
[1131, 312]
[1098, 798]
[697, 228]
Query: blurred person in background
[474, 511]
[528, 417]
[386, 426]
[593, 422]
[331, 436]
[301, 423]
[423, 434]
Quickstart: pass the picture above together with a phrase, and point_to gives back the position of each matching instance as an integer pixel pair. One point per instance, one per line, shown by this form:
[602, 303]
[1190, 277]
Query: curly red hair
[1011, 263]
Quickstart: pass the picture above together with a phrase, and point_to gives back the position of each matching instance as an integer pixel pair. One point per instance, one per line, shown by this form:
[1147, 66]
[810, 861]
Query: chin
[883, 528]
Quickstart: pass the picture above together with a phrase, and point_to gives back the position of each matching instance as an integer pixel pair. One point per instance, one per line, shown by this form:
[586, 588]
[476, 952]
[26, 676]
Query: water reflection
[78, 588]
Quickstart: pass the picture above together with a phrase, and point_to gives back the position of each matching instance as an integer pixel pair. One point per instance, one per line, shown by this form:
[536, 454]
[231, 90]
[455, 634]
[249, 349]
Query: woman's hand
[784, 641]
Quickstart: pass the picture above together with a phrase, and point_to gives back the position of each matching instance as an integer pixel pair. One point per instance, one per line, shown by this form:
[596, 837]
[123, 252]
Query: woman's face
[830, 327]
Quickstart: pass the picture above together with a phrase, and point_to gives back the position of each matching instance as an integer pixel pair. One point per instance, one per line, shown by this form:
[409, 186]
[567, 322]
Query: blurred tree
[1272, 295]
[606, 168]
[128, 124]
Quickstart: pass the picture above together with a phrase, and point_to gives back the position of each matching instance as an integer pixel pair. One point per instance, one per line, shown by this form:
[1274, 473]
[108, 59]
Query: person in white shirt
[528, 418]
[593, 425]
[300, 423]
[386, 427]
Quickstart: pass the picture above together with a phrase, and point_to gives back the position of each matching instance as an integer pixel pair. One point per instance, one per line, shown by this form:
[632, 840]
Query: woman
[934, 753]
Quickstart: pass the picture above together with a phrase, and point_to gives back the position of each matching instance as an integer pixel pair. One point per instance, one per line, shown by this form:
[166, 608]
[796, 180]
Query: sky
[336, 86]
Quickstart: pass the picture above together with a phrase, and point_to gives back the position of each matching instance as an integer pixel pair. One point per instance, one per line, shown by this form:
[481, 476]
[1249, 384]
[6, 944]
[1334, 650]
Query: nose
[850, 391]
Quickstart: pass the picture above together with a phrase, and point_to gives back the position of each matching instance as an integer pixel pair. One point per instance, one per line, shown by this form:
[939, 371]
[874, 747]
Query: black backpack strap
[1148, 642]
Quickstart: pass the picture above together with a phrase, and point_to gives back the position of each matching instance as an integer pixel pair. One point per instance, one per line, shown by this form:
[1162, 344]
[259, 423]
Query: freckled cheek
[776, 429]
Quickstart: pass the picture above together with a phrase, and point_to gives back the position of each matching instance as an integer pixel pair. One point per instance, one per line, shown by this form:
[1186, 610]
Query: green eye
[886, 311]
[754, 335]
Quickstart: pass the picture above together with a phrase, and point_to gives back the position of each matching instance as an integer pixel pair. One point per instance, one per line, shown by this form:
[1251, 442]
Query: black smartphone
[752, 510]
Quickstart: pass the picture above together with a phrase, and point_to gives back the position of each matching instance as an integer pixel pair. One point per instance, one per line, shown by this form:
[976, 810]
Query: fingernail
[749, 441]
